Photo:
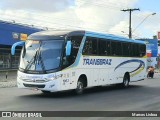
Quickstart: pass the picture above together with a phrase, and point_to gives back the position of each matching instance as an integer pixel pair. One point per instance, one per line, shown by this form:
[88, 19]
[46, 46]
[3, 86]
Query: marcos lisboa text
[147, 114]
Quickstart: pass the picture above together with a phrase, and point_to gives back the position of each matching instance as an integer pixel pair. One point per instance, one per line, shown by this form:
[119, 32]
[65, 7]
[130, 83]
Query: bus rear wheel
[126, 80]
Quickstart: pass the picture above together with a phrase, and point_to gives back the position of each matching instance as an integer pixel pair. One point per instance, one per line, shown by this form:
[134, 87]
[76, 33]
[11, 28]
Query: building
[11, 32]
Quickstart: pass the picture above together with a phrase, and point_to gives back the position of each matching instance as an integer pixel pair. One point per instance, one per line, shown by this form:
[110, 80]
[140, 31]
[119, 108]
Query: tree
[155, 37]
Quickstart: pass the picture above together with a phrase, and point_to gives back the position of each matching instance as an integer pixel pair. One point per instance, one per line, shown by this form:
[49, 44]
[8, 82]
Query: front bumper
[52, 86]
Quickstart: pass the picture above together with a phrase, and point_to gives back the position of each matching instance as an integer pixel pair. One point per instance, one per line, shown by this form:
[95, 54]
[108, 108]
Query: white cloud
[101, 16]
[120, 29]
[37, 5]
[104, 16]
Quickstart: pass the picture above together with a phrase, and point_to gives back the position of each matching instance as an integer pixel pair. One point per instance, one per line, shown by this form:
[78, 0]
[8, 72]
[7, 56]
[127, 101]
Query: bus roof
[112, 37]
[60, 34]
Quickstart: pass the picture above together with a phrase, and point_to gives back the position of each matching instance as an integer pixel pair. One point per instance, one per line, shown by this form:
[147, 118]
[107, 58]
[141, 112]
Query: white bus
[54, 61]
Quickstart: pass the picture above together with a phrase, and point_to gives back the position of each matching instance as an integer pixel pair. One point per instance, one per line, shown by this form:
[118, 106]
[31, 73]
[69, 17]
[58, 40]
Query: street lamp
[125, 33]
[143, 21]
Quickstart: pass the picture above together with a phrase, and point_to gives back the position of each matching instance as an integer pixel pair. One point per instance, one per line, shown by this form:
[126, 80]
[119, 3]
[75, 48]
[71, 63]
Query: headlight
[20, 77]
[54, 77]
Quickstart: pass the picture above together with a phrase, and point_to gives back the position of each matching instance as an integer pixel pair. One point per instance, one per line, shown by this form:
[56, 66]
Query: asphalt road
[140, 96]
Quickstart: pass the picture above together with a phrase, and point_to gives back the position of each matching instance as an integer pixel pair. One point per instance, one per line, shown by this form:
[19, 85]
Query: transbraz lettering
[97, 61]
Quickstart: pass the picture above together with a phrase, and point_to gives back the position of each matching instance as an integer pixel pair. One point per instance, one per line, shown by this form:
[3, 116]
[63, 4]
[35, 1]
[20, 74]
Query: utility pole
[130, 13]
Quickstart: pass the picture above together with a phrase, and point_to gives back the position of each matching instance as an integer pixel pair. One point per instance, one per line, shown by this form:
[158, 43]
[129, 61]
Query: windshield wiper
[41, 62]
[35, 60]
[30, 63]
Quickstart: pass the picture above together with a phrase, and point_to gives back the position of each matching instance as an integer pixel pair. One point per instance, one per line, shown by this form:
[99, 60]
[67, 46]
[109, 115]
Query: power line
[63, 26]
[44, 16]
[97, 4]
[103, 3]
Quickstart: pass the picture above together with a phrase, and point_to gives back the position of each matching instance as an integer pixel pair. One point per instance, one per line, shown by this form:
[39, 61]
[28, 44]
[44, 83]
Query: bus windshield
[41, 55]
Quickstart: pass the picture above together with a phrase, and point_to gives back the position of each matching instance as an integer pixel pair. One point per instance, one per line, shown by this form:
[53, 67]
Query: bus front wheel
[80, 87]
[45, 92]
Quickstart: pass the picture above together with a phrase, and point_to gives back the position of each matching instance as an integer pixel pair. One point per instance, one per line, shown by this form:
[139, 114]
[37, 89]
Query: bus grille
[35, 86]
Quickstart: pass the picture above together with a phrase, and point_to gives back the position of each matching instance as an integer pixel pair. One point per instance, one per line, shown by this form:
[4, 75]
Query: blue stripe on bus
[112, 37]
[142, 64]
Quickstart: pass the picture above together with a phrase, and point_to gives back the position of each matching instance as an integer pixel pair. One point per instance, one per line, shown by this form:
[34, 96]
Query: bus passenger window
[108, 46]
[126, 49]
[90, 47]
[94, 46]
[75, 42]
[142, 50]
[102, 47]
[113, 48]
[136, 52]
[119, 49]
[86, 48]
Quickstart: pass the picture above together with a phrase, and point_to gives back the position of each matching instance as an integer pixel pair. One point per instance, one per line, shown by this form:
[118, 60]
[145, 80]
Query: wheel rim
[126, 82]
[79, 87]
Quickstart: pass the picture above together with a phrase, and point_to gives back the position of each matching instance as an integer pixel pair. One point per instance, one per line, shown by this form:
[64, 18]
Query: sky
[94, 15]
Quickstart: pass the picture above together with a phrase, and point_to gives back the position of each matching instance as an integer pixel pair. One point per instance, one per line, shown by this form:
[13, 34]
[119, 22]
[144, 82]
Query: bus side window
[108, 46]
[126, 49]
[142, 50]
[94, 46]
[116, 48]
[75, 44]
[136, 52]
[113, 48]
[87, 47]
[90, 47]
[103, 47]
[119, 49]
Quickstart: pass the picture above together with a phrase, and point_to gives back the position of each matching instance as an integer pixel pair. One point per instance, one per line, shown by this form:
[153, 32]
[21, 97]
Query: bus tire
[80, 87]
[45, 92]
[126, 81]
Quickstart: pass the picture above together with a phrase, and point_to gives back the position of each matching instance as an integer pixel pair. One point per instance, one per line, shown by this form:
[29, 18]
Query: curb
[8, 78]
[8, 84]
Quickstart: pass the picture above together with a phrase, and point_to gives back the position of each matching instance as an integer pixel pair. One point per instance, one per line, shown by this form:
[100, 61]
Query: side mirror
[15, 45]
[24, 51]
[68, 48]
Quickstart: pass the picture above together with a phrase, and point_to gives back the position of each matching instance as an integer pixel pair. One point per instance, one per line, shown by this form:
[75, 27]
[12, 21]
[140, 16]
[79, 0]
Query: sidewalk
[8, 79]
